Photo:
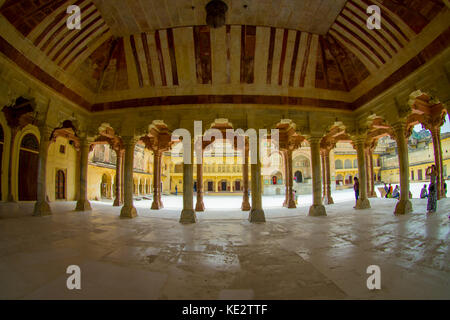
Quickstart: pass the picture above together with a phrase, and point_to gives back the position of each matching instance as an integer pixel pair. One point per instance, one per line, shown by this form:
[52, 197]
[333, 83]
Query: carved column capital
[314, 139]
[129, 140]
[358, 141]
[400, 129]
[45, 132]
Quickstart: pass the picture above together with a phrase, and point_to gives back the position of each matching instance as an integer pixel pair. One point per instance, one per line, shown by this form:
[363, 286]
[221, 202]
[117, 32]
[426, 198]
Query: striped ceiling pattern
[268, 55]
[231, 55]
[127, 17]
[44, 23]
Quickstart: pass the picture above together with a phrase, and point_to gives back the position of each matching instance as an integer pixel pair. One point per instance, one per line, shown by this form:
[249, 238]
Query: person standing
[389, 193]
[356, 189]
[432, 189]
[386, 190]
[176, 190]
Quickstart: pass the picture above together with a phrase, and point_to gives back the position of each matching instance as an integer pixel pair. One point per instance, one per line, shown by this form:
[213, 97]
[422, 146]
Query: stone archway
[298, 176]
[60, 185]
[105, 187]
[28, 168]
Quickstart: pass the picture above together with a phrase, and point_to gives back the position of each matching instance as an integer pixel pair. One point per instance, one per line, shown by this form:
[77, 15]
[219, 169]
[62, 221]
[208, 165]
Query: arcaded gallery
[224, 149]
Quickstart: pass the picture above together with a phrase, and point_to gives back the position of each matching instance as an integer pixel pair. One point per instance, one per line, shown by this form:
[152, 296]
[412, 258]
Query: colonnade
[321, 187]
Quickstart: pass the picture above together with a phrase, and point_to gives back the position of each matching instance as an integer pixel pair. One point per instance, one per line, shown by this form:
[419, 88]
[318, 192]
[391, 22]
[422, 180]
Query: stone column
[245, 198]
[14, 131]
[157, 203]
[83, 203]
[256, 211]
[437, 148]
[128, 209]
[122, 178]
[404, 205]
[200, 206]
[366, 154]
[289, 181]
[188, 214]
[363, 201]
[118, 182]
[317, 208]
[42, 208]
[328, 199]
[324, 174]
[286, 184]
[372, 193]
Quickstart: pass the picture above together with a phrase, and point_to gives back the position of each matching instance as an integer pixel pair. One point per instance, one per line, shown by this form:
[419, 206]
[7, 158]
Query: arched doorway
[60, 185]
[348, 179]
[2, 140]
[301, 165]
[28, 168]
[210, 186]
[348, 164]
[223, 185]
[237, 185]
[298, 177]
[104, 187]
[277, 178]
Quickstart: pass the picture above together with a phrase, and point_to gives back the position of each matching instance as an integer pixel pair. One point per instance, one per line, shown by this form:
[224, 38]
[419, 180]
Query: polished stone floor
[291, 256]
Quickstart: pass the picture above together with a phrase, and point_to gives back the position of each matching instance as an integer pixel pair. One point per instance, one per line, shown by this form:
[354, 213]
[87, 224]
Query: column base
[128, 212]
[117, 203]
[83, 205]
[256, 216]
[245, 206]
[291, 204]
[373, 195]
[10, 199]
[328, 200]
[188, 216]
[317, 210]
[42, 209]
[200, 206]
[12, 205]
[403, 207]
[362, 204]
[156, 205]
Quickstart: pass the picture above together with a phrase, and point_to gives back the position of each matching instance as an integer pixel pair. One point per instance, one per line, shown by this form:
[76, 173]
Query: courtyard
[223, 256]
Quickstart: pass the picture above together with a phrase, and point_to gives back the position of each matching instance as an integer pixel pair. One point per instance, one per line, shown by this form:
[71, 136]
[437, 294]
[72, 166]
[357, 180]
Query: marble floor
[291, 256]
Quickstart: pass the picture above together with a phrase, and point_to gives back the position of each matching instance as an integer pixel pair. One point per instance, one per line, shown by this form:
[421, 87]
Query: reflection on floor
[291, 256]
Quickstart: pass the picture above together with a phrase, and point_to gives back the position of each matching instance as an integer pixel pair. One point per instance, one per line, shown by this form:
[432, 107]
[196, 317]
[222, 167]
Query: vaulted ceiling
[131, 17]
[136, 48]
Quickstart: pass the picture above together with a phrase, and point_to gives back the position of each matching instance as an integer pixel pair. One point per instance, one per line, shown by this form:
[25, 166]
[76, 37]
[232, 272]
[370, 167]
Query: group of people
[392, 193]
[431, 194]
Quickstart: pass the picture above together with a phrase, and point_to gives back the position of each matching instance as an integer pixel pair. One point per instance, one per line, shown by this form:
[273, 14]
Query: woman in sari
[432, 189]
